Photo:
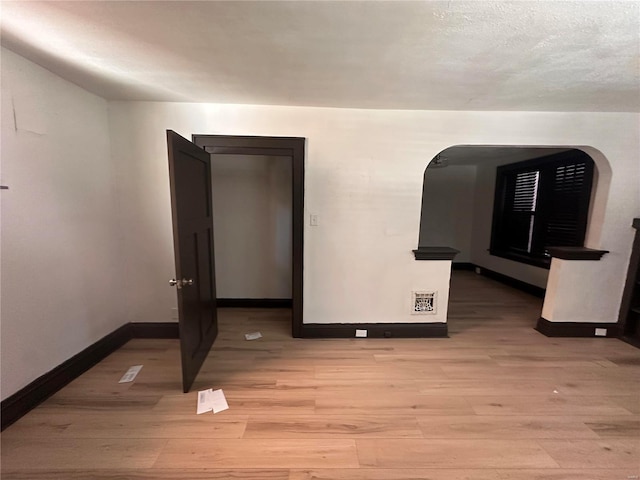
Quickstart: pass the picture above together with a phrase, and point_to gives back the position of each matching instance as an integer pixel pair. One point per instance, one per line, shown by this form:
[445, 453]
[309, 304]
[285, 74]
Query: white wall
[61, 282]
[364, 172]
[252, 225]
[447, 208]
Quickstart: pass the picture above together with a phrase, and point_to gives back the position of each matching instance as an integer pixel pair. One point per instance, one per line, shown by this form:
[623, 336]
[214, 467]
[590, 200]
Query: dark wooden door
[191, 208]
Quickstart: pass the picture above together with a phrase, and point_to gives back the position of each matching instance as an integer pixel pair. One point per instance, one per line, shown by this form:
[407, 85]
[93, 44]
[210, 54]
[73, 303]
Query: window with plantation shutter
[541, 203]
[520, 209]
[569, 197]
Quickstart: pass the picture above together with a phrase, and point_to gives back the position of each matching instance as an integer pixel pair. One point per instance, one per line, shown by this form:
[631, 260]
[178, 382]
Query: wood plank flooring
[495, 401]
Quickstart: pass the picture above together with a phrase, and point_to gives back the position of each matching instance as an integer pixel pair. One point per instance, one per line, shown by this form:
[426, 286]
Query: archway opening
[463, 192]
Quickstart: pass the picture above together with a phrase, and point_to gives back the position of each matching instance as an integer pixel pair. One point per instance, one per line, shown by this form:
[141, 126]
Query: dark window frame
[562, 201]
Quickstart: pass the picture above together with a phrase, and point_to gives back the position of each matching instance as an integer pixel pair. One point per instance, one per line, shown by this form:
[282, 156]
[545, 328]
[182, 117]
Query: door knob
[181, 283]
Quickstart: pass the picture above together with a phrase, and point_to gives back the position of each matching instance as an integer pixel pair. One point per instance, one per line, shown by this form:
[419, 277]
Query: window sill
[541, 262]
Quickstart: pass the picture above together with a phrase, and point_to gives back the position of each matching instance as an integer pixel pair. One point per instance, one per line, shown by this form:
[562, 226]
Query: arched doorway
[460, 210]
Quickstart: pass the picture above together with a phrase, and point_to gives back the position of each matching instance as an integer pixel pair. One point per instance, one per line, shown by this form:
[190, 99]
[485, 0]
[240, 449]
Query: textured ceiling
[427, 55]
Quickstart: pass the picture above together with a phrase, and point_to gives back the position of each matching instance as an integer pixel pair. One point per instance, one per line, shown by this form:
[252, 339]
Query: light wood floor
[497, 400]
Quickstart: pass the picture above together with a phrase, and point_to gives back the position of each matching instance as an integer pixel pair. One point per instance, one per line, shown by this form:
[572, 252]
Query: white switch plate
[313, 220]
[361, 333]
[601, 332]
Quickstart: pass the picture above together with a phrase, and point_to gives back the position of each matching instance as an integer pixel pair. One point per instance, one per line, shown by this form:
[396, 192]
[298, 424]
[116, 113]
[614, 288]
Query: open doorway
[252, 211]
[463, 200]
[256, 167]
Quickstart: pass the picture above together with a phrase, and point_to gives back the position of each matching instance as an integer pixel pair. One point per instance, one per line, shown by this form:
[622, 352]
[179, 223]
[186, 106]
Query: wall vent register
[423, 303]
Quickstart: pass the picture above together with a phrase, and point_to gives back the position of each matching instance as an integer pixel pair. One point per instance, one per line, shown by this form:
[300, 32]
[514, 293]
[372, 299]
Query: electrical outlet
[174, 314]
[313, 220]
[361, 333]
[601, 332]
